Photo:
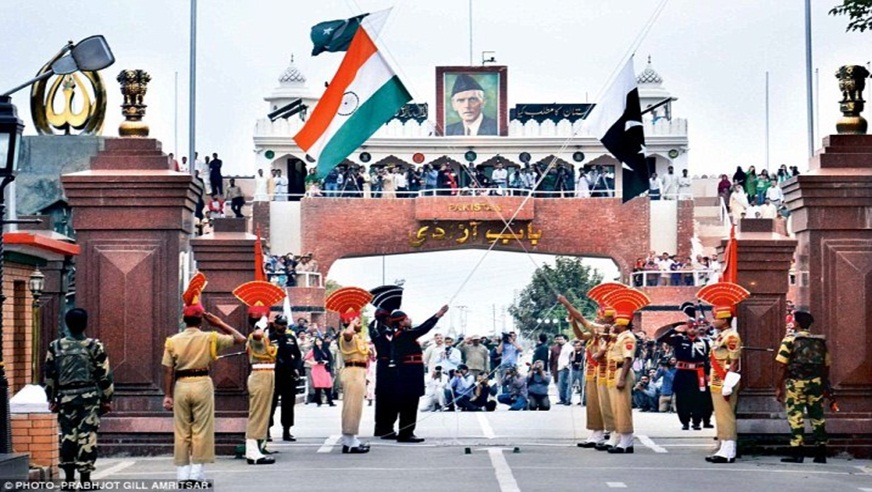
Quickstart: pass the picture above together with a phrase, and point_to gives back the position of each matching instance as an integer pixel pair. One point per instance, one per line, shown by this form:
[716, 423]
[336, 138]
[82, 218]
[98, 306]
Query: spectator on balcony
[234, 194]
[431, 179]
[401, 184]
[281, 194]
[312, 183]
[751, 184]
[216, 207]
[670, 184]
[739, 177]
[775, 194]
[654, 187]
[271, 185]
[684, 186]
[500, 176]
[763, 184]
[582, 185]
[768, 210]
[724, 190]
[261, 187]
[738, 203]
[389, 186]
[783, 174]
[665, 267]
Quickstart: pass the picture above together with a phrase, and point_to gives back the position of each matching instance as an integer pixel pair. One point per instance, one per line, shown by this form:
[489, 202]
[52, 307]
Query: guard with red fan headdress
[726, 351]
[259, 295]
[188, 389]
[348, 302]
[620, 378]
[600, 420]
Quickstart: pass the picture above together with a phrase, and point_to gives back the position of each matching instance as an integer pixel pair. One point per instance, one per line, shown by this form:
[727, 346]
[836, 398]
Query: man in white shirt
[434, 391]
[200, 165]
[768, 210]
[670, 184]
[564, 371]
[654, 187]
[281, 187]
[500, 176]
[430, 353]
[261, 191]
[684, 183]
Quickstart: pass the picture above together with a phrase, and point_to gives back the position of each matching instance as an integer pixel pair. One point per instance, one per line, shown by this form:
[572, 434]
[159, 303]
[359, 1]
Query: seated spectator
[216, 207]
[481, 395]
[461, 391]
[515, 395]
[434, 391]
[237, 200]
[537, 387]
[645, 395]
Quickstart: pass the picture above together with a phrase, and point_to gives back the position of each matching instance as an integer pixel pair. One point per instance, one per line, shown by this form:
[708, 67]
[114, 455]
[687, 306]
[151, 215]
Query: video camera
[507, 337]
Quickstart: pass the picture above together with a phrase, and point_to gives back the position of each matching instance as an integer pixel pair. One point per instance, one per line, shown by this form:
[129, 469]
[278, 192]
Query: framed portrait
[471, 101]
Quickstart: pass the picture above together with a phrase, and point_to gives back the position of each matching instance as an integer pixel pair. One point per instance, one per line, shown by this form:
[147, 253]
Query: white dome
[649, 75]
[292, 75]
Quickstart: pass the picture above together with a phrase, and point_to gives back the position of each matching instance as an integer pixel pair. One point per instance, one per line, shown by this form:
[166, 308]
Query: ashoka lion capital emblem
[134, 84]
[852, 82]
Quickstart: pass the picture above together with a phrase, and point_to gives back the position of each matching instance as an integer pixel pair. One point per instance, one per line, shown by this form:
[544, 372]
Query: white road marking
[505, 479]
[865, 489]
[112, 469]
[486, 428]
[616, 485]
[650, 444]
[328, 444]
[864, 469]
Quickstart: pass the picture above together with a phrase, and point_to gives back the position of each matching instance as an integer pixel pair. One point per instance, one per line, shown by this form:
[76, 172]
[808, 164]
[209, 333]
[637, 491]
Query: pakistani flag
[335, 35]
[617, 121]
[364, 94]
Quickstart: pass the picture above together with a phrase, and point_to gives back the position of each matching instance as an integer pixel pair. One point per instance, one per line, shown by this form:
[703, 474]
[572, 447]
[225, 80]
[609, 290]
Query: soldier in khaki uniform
[620, 377]
[353, 346]
[599, 415]
[188, 388]
[725, 356]
[259, 295]
[804, 368]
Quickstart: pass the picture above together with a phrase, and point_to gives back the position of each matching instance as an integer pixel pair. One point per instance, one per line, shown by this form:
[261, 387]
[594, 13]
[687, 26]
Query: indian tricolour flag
[363, 95]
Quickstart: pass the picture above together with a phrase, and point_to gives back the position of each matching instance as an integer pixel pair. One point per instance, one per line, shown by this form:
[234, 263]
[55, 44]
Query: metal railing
[673, 278]
[301, 279]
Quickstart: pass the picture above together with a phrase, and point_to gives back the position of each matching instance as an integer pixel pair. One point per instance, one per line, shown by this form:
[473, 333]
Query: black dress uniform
[385, 377]
[692, 395]
[409, 383]
[288, 367]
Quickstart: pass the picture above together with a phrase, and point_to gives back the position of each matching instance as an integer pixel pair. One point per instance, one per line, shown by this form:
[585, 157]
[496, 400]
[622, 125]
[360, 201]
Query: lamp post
[10, 139]
[37, 286]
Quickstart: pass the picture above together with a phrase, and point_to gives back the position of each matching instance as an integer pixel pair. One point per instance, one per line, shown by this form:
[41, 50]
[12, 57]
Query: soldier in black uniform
[382, 335]
[288, 369]
[408, 357]
[692, 355]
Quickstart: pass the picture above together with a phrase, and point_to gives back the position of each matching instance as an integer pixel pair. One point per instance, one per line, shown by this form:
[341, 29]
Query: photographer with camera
[462, 386]
[537, 387]
[434, 391]
[645, 395]
[508, 349]
[514, 390]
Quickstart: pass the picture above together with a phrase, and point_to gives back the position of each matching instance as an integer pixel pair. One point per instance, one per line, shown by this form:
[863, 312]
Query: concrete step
[706, 201]
[706, 212]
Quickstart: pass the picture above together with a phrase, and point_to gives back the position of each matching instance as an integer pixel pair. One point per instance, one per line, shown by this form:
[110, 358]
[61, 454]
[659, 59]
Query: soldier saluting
[804, 370]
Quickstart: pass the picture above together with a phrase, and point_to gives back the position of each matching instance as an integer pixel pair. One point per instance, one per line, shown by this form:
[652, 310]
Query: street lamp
[37, 286]
[89, 54]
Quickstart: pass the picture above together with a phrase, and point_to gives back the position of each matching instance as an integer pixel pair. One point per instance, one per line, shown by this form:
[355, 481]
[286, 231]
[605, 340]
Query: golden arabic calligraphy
[464, 232]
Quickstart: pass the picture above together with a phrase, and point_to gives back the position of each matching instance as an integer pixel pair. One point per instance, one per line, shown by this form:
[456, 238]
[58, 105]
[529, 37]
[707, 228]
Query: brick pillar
[133, 216]
[763, 263]
[831, 210]
[226, 257]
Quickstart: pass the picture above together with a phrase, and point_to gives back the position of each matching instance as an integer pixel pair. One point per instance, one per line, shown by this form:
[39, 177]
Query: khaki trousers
[605, 405]
[194, 421]
[261, 385]
[725, 414]
[353, 390]
[622, 405]
[594, 414]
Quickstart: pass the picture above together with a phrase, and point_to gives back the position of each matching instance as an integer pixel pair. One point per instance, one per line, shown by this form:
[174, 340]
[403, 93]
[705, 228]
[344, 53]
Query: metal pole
[35, 343]
[383, 269]
[817, 105]
[470, 33]
[808, 80]
[176, 117]
[6, 429]
[192, 96]
[767, 121]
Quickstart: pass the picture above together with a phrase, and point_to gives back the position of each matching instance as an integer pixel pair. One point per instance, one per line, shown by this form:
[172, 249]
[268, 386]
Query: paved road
[546, 458]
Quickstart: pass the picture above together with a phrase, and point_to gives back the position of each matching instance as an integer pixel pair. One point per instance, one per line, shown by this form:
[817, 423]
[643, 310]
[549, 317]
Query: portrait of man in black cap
[468, 101]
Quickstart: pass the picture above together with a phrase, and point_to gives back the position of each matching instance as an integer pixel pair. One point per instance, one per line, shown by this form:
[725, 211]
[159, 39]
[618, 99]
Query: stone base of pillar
[153, 436]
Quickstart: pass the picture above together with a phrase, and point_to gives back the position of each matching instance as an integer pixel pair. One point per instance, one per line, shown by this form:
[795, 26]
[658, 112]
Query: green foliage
[330, 286]
[858, 11]
[538, 300]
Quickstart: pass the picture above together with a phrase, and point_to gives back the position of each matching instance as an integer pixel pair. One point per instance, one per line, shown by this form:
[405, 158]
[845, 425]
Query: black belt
[191, 373]
[355, 364]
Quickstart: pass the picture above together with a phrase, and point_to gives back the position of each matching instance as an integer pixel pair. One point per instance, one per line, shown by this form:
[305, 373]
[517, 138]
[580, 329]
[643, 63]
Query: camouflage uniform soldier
[804, 367]
[78, 383]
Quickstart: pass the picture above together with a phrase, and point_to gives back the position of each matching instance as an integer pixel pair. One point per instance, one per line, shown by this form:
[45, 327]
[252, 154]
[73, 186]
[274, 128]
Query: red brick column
[133, 216]
[831, 210]
[37, 435]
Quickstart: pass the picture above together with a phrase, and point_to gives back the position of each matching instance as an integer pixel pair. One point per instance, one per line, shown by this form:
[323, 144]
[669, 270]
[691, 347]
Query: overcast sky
[712, 55]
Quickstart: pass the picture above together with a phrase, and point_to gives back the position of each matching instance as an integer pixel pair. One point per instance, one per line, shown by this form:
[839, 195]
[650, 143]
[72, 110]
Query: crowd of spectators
[673, 270]
[292, 270]
[752, 195]
[670, 186]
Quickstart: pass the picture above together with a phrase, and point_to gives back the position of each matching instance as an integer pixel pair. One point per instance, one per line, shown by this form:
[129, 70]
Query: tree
[538, 300]
[859, 11]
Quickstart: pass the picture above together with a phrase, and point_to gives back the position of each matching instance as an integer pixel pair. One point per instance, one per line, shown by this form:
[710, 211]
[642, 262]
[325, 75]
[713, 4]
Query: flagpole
[767, 120]
[470, 33]
[808, 80]
[192, 94]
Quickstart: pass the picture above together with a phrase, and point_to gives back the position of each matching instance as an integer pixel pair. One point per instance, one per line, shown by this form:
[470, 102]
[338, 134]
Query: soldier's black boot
[820, 453]
[69, 473]
[795, 455]
[286, 435]
[85, 480]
